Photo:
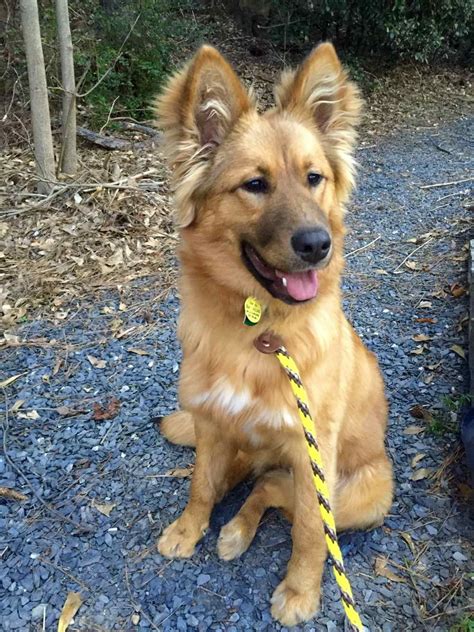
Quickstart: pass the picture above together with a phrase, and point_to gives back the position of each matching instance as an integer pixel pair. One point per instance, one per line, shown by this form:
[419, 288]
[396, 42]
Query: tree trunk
[68, 157]
[40, 118]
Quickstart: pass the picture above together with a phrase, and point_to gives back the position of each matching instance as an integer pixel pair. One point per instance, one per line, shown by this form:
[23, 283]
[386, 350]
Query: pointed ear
[320, 88]
[197, 110]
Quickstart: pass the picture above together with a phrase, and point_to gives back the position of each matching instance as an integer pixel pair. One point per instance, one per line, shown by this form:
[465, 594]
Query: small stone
[135, 618]
[203, 579]
[459, 557]
[38, 612]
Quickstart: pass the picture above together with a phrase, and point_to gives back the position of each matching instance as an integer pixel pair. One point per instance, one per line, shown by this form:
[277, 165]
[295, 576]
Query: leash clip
[268, 342]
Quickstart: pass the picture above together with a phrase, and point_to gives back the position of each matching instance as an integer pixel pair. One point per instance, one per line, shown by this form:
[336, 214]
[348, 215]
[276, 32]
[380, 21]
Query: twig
[445, 184]
[412, 253]
[77, 581]
[353, 252]
[138, 607]
[111, 67]
[39, 498]
[109, 114]
[444, 197]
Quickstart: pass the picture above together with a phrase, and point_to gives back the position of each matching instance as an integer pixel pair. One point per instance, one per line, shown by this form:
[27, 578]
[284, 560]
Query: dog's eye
[257, 185]
[314, 179]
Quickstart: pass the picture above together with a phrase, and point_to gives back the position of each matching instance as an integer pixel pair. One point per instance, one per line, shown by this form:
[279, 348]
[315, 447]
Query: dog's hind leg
[273, 489]
[179, 428]
[363, 497]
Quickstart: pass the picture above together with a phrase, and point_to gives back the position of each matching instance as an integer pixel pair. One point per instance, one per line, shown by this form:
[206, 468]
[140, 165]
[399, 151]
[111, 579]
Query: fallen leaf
[426, 320]
[413, 430]
[141, 352]
[31, 414]
[104, 508]
[97, 363]
[422, 473]
[68, 411]
[180, 472]
[10, 380]
[466, 492]
[11, 339]
[419, 350]
[428, 379]
[459, 351]
[409, 540]
[419, 412]
[421, 338]
[433, 367]
[425, 304]
[135, 618]
[382, 570]
[122, 307]
[71, 606]
[457, 290]
[17, 405]
[412, 265]
[417, 458]
[11, 494]
[109, 411]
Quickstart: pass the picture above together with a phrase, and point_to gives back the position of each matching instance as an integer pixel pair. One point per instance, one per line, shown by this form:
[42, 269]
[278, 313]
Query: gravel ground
[119, 352]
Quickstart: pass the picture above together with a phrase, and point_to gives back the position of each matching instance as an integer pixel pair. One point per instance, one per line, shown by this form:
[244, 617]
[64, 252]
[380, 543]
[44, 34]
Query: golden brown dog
[260, 202]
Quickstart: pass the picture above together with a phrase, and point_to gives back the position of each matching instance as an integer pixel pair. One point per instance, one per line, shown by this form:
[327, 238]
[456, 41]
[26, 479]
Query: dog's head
[260, 197]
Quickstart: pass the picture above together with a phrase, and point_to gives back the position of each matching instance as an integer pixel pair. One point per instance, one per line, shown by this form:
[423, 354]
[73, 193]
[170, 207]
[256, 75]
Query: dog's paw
[177, 541]
[234, 539]
[291, 607]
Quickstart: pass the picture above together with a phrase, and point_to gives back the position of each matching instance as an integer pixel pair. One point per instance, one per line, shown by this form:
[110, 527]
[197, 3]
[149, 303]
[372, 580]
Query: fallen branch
[138, 127]
[110, 142]
[445, 184]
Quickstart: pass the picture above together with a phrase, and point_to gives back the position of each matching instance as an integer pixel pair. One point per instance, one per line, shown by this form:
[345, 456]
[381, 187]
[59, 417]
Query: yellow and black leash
[271, 343]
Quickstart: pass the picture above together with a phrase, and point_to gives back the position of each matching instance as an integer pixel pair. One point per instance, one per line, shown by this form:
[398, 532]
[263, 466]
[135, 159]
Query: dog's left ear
[320, 89]
[198, 109]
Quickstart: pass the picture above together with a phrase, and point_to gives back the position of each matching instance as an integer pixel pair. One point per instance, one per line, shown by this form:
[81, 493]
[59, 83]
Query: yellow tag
[253, 310]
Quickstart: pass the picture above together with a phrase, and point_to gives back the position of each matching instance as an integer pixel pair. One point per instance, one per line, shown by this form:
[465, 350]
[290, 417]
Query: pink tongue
[302, 285]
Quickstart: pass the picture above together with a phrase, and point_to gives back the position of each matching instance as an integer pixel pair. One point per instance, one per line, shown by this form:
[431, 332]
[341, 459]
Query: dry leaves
[422, 473]
[381, 569]
[457, 290]
[10, 380]
[97, 363]
[71, 606]
[12, 494]
[104, 508]
[180, 472]
[417, 458]
[413, 430]
[458, 350]
[419, 412]
[109, 411]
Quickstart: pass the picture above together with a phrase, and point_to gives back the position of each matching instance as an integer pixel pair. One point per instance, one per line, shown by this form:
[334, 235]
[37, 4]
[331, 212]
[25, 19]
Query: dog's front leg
[296, 599]
[214, 457]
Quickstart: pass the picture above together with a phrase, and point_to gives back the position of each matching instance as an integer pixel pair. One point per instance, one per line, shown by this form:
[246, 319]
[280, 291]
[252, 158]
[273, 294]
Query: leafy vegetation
[465, 625]
[446, 420]
[409, 29]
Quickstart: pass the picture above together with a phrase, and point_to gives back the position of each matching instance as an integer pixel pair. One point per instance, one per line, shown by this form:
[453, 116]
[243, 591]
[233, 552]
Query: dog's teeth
[284, 281]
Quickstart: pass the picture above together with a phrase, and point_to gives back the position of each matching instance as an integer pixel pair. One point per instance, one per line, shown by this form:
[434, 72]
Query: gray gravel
[75, 462]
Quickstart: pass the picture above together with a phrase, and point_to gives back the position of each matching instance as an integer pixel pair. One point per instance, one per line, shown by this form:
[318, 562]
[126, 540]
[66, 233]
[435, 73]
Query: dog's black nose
[311, 244]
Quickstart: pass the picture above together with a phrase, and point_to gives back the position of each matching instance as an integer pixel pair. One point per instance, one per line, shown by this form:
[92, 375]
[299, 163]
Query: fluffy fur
[237, 407]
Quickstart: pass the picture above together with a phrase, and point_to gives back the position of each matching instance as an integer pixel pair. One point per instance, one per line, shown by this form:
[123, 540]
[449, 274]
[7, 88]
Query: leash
[270, 343]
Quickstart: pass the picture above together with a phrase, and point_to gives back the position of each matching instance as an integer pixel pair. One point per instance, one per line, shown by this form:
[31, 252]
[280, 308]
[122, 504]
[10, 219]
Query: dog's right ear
[197, 109]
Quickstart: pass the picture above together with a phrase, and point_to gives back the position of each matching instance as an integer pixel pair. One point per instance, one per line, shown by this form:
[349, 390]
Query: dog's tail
[179, 428]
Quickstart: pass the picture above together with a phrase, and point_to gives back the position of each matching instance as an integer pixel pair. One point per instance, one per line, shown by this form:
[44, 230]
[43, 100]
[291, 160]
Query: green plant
[445, 421]
[143, 34]
[409, 29]
[465, 625]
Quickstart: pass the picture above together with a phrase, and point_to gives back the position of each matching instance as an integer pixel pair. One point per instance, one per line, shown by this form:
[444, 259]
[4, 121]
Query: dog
[260, 202]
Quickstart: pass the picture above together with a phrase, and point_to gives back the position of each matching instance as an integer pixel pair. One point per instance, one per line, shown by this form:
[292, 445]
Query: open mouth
[290, 287]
